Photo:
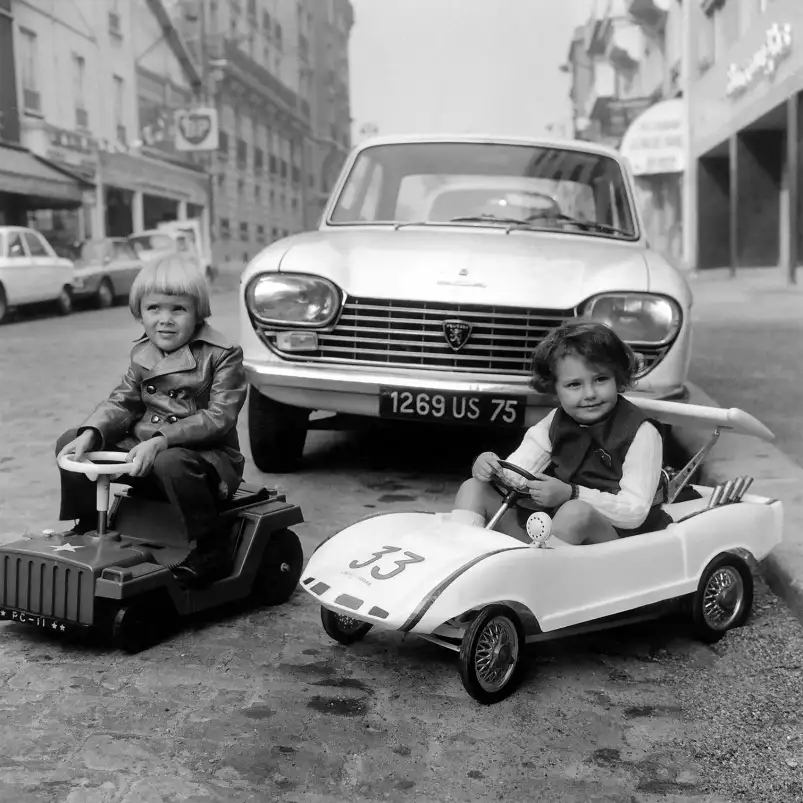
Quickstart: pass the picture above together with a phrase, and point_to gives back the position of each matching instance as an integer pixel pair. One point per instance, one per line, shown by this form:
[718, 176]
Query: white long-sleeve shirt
[641, 473]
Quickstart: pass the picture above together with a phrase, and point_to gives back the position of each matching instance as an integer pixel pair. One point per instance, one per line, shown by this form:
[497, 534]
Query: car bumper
[355, 391]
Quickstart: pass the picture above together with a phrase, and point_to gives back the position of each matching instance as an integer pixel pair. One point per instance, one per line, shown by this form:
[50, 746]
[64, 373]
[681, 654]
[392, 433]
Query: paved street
[261, 705]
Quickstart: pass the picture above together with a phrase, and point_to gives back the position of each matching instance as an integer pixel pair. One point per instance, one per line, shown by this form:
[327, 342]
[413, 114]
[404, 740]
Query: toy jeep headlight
[286, 299]
[640, 319]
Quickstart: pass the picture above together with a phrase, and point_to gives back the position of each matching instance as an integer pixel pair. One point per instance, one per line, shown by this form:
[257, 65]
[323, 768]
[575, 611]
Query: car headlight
[287, 299]
[638, 318]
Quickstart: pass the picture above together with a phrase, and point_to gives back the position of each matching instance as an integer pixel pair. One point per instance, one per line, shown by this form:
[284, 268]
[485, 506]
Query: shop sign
[70, 140]
[654, 142]
[764, 63]
[196, 130]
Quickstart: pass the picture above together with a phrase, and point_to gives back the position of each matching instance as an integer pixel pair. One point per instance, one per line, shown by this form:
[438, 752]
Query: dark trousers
[179, 475]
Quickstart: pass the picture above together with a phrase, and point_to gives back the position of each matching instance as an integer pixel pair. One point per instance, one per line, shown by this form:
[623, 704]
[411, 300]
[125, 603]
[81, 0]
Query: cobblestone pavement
[259, 705]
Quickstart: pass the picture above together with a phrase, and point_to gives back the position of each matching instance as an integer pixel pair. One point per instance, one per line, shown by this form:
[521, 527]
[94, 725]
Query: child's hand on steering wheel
[78, 446]
[549, 491]
[485, 466]
[143, 455]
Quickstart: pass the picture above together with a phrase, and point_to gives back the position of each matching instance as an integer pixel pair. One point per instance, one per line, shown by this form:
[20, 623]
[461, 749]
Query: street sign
[196, 130]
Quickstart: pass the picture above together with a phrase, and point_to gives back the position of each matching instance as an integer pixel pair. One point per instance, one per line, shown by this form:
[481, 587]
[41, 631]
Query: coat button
[155, 419]
[151, 388]
[171, 419]
[172, 394]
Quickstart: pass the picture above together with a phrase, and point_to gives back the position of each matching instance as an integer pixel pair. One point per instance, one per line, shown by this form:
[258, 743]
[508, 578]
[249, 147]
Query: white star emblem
[2, 613]
[61, 627]
[54, 626]
[65, 548]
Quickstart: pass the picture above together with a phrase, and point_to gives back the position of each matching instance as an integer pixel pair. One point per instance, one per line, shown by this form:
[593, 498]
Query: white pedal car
[485, 595]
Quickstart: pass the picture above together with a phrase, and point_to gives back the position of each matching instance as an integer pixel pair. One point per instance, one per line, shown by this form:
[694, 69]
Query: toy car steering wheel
[509, 492]
[103, 473]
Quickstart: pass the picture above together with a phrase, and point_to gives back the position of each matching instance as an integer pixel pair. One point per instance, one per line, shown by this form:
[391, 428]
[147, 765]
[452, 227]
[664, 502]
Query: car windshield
[93, 251]
[516, 186]
[152, 242]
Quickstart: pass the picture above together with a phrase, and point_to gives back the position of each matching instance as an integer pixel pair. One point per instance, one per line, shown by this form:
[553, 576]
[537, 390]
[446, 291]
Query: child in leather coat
[174, 413]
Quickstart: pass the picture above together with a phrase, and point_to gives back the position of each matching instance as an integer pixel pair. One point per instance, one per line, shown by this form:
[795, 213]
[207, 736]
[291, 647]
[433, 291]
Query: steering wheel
[114, 464]
[509, 492]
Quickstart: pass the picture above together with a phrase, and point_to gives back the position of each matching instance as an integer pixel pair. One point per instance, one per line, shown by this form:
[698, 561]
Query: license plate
[461, 408]
[34, 620]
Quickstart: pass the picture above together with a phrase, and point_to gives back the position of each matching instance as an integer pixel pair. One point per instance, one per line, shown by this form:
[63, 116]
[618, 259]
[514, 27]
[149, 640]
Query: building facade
[746, 133]
[83, 70]
[278, 77]
[625, 63]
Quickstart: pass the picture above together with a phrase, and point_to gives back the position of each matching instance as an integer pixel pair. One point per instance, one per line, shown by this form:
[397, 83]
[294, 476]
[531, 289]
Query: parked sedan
[31, 272]
[105, 270]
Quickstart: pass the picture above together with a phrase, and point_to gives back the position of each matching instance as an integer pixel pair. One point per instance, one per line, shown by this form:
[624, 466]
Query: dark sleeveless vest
[593, 456]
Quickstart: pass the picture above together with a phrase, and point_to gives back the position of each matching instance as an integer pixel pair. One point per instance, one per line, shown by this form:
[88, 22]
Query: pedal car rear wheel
[280, 569]
[341, 628]
[491, 654]
[723, 599]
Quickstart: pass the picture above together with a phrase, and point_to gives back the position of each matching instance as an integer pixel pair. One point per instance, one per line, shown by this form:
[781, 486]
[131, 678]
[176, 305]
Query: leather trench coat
[192, 396]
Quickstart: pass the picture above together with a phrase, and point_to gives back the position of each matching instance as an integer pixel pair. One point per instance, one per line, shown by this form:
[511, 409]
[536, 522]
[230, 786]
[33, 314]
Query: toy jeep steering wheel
[115, 464]
[509, 492]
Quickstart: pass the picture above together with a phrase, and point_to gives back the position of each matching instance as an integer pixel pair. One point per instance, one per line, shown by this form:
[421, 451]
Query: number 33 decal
[387, 550]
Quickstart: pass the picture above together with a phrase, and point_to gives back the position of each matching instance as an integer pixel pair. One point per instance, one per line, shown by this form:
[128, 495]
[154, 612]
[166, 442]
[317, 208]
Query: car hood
[469, 266]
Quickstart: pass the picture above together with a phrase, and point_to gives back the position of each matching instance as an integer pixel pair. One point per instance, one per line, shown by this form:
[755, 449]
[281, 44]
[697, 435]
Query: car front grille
[410, 334]
[47, 587]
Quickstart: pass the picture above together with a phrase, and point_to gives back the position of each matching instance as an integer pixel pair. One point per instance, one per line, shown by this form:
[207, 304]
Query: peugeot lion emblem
[457, 333]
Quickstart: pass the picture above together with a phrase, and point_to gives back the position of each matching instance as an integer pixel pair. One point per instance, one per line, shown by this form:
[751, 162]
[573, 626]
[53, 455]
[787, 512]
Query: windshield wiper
[513, 221]
[592, 225]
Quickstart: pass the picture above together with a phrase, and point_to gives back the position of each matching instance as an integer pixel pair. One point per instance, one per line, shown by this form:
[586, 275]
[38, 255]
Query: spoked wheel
[280, 569]
[341, 628]
[491, 655]
[723, 599]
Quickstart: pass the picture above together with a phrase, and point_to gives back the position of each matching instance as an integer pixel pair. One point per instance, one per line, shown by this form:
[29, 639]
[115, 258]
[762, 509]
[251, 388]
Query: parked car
[31, 272]
[155, 243]
[105, 270]
[438, 266]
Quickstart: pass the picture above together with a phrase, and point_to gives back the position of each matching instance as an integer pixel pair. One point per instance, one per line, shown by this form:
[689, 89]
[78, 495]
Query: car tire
[491, 654]
[64, 301]
[105, 295]
[279, 569]
[3, 304]
[343, 629]
[724, 597]
[276, 433]
[133, 628]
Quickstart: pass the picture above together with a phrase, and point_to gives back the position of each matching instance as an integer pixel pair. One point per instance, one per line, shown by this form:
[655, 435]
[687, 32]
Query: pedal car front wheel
[280, 569]
[341, 628]
[723, 599]
[491, 654]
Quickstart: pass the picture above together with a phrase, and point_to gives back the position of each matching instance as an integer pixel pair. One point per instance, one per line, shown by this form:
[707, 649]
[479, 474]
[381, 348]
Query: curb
[783, 567]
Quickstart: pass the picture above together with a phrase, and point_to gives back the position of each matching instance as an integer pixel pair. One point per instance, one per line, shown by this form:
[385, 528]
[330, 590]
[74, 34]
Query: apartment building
[625, 63]
[746, 132]
[86, 73]
[278, 76]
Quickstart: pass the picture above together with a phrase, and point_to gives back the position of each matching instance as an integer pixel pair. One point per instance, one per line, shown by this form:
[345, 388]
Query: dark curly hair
[595, 342]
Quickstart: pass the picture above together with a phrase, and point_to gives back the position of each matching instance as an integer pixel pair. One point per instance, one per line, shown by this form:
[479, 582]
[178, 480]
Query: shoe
[79, 528]
[202, 567]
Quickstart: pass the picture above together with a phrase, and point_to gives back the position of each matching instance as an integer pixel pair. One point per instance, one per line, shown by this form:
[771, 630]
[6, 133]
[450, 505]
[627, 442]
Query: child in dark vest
[596, 458]
[174, 414]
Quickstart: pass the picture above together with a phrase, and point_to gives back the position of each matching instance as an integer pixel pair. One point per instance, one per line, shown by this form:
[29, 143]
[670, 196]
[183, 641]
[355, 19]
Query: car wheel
[279, 570]
[64, 301]
[343, 629]
[105, 296]
[491, 654]
[3, 304]
[276, 432]
[724, 598]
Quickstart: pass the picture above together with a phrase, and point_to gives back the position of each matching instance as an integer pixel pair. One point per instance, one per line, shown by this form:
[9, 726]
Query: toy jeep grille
[411, 334]
[47, 588]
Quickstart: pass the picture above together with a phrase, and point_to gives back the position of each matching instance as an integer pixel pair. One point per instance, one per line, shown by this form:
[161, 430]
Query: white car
[484, 594]
[438, 266]
[31, 272]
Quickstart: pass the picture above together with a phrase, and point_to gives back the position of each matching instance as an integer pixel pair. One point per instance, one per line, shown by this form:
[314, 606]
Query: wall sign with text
[764, 63]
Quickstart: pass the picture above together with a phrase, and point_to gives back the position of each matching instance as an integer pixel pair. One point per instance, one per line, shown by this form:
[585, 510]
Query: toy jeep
[116, 581]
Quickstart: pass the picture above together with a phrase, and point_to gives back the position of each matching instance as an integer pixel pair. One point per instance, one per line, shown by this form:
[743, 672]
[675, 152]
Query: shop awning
[654, 141]
[22, 173]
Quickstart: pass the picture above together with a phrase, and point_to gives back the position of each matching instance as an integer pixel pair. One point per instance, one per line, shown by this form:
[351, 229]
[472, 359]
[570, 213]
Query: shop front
[655, 148]
[746, 142]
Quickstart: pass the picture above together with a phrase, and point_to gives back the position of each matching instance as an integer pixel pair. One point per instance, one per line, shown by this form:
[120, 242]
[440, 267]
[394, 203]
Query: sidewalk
[755, 295]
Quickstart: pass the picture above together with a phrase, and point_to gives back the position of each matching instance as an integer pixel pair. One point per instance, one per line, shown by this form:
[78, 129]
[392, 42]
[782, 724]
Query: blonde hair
[173, 275]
